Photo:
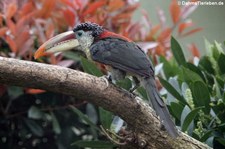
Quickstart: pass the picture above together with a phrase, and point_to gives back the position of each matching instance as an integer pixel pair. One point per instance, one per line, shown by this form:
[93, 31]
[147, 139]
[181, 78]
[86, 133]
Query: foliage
[195, 93]
[32, 118]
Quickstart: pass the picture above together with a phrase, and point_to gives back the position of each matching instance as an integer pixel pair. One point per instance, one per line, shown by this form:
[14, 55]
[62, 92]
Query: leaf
[164, 35]
[84, 117]
[35, 113]
[93, 6]
[11, 10]
[201, 95]
[189, 76]
[72, 55]
[12, 44]
[171, 68]
[115, 4]
[194, 50]
[175, 11]
[69, 17]
[176, 109]
[105, 117]
[191, 32]
[3, 31]
[183, 26]
[47, 8]
[125, 83]
[221, 140]
[34, 127]
[34, 91]
[14, 91]
[190, 118]
[12, 27]
[116, 124]
[94, 144]
[91, 113]
[221, 63]
[172, 91]
[206, 64]
[195, 69]
[90, 67]
[177, 52]
[55, 124]
[186, 110]
[187, 10]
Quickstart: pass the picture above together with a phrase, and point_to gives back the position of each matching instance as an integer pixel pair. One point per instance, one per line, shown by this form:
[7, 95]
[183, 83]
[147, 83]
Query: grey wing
[122, 55]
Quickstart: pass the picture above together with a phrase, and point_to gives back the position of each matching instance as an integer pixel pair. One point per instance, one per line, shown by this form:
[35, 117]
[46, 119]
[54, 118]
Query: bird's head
[81, 38]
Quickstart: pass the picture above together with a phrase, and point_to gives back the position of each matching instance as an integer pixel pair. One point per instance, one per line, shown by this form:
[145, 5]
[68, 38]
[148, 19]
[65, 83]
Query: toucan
[121, 57]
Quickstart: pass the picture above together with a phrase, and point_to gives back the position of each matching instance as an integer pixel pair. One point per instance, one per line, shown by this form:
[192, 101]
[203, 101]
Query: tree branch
[139, 116]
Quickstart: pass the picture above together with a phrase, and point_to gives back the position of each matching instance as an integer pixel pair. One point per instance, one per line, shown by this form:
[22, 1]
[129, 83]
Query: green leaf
[90, 67]
[142, 92]
[125, 83]
[206, 64]
[189, 76]
[55, 124]
[195, 69]
[84, 117]
[94, 144]
[15, 91]
[208, 46]
[105, 117]
[177, 52]
[35, 113]
[221, 63]
[201, 95]
[189, 118]
[221, 140]
[34, 127]
[71, 55]
[206, 135]
[170, 68]
[172, 91]
[176, 109]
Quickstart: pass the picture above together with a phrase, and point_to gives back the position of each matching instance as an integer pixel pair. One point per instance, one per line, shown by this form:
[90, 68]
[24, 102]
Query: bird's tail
[159, 106]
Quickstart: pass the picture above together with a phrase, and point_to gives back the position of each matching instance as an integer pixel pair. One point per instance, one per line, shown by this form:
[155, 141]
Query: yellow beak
[62, 42]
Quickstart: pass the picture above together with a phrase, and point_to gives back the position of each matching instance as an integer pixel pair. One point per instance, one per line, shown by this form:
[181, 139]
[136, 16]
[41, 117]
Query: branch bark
[140, 117]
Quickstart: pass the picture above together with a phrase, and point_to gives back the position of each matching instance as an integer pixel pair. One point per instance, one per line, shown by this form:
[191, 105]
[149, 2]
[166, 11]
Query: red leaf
[188, 9]
[34, 91]
[11, 44]
[22, 38]
[11, 25]
[194, 50]
[50, 29]
[47, 8]
[69, 17]
[11, 10]
[191, 32]
[175, 11]
[115, 4]
[93, 6]
[183, 26]
[3, 30]
[164, 35]
[27, 8]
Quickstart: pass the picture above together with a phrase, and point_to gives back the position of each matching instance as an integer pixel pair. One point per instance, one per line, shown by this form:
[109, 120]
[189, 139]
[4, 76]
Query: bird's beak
[62, 42]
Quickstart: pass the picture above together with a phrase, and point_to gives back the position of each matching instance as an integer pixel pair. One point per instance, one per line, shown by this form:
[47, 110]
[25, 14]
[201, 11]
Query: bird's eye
[79, 34]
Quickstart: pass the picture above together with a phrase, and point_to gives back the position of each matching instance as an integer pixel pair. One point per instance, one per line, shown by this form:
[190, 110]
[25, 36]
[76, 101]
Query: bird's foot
[107, 79]
[122, 139]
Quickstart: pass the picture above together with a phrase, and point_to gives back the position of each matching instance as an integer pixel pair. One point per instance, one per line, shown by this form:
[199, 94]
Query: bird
[120, 55]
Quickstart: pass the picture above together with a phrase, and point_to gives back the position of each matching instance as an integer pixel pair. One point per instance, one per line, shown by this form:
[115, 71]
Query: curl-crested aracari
[119, 54]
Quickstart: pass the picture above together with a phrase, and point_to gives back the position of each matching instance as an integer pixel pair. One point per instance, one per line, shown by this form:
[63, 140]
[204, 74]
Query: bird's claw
[107, 79]
[121, 139]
